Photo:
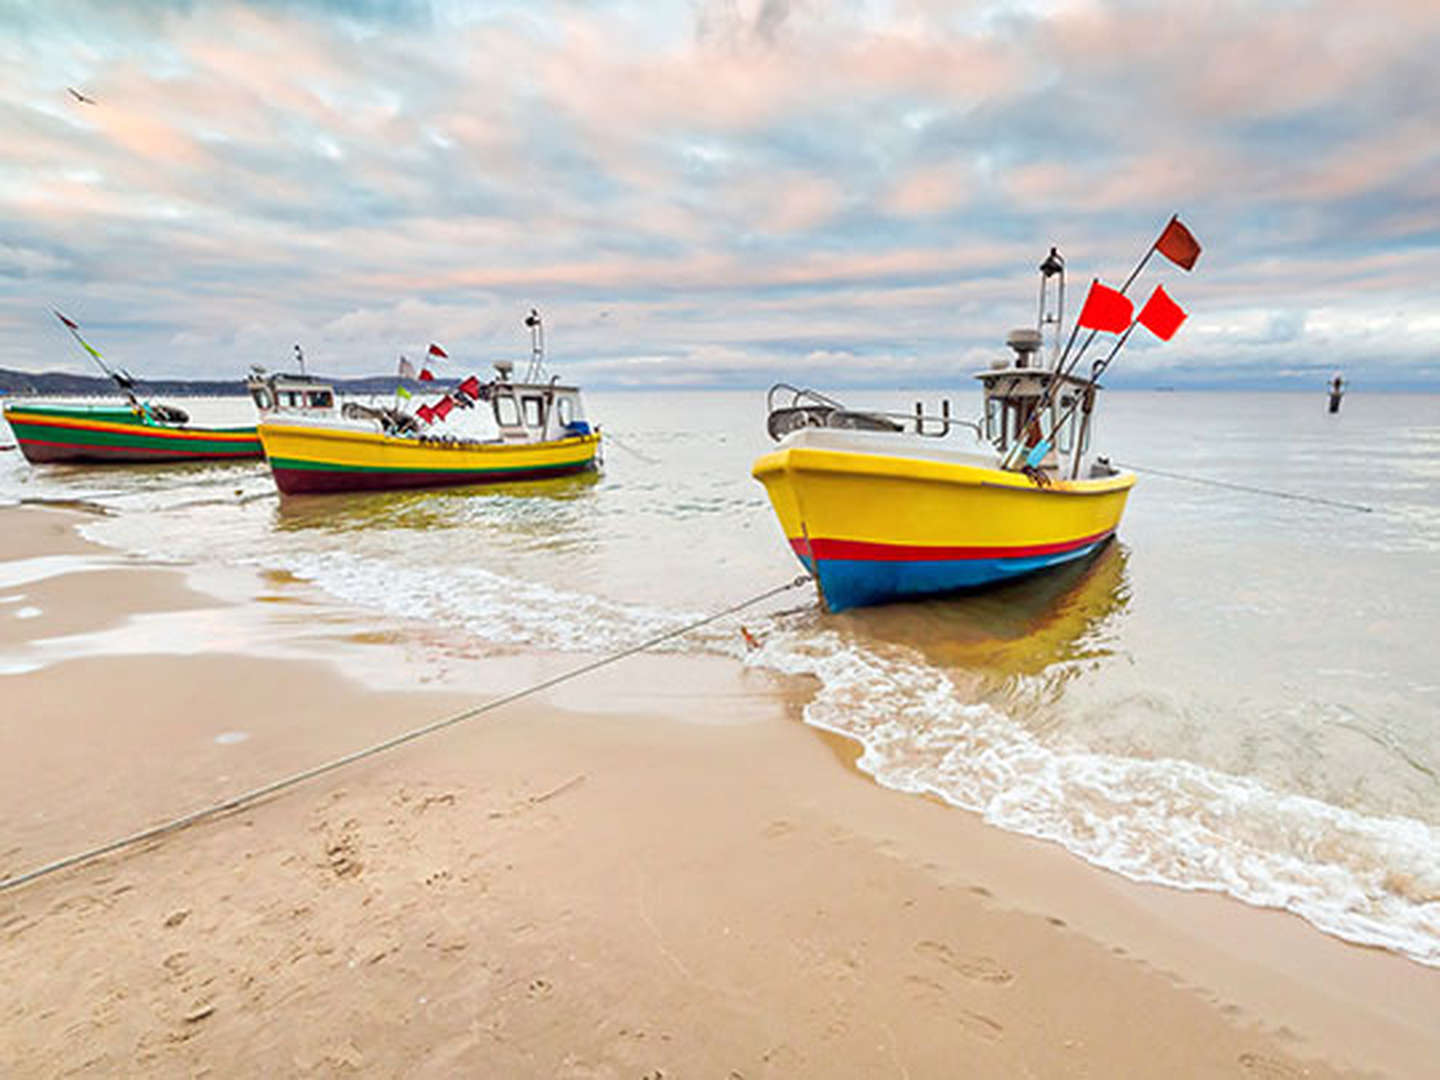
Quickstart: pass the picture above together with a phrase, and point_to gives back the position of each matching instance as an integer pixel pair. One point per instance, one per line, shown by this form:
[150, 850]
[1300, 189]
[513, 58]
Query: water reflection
[1017, 644]
[426, 509]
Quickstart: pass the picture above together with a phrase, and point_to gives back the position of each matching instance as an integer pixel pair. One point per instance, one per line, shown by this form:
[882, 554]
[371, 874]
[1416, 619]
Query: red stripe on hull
[822, 548]
[323, 482]
[45, 452]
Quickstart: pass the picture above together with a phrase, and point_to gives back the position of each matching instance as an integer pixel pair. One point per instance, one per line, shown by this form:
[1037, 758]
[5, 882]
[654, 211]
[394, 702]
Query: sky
[718, 193]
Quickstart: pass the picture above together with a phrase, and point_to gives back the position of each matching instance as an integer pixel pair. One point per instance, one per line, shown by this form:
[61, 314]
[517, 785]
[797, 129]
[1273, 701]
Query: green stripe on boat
[140, 438]
[320, 466]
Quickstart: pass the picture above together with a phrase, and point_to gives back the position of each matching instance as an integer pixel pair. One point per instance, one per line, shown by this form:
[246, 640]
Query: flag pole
[128, 391]
[1060, 365]
[1139, 266]
[1087, 394]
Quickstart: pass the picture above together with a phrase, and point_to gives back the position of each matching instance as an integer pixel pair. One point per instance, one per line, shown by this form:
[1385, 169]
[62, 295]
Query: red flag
[1178, 245]
[1161, 315]
[1105, 309]
[67, 322]
[436, 350]
[470, 388]
[424, 412]
[443, 407]
[426, 375]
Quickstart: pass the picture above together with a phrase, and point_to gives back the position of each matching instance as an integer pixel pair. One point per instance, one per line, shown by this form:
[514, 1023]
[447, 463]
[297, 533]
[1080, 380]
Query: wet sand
[685, 882]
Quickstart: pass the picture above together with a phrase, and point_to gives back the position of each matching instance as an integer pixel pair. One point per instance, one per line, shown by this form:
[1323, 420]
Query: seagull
[78, 96]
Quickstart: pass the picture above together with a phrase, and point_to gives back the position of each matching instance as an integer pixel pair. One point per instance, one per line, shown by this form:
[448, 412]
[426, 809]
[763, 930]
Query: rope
[611, 437]
[1252, 490]
[244, 798]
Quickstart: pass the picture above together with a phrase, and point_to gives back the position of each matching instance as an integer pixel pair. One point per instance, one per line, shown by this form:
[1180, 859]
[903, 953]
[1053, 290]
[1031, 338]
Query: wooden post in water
[1337, 391]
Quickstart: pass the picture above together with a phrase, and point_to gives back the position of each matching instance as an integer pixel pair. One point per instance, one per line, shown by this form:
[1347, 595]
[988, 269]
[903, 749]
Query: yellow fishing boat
[884, 506]
[316, 445]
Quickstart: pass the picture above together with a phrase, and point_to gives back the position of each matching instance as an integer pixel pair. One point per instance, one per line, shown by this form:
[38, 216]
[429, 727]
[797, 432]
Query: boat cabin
[528, 412]
[292, 394]
[1014, 391]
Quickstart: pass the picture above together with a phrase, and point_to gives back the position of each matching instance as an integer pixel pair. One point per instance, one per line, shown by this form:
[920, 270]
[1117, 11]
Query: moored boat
[884, 506]
[122, 434]
[131, 433]
[315, 446]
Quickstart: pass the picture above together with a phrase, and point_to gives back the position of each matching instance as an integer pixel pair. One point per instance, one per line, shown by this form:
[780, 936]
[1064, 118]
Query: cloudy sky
[716, 192]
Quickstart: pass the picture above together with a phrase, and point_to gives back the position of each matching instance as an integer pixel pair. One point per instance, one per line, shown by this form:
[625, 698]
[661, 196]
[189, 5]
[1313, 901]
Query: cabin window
[292, 399]
[994, 426]
[565, 410]
[261, 394]
[320, 399]
[534, 412]
[507, 413]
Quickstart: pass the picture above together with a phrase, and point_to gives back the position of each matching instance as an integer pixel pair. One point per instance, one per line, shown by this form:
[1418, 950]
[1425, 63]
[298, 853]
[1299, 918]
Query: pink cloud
[928, 190]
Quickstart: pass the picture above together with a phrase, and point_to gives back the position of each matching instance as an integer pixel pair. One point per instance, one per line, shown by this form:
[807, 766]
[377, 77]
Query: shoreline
[681, 881]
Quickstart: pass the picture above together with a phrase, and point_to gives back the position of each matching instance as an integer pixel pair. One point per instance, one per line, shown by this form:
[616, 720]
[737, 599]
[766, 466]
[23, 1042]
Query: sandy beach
[654, 872]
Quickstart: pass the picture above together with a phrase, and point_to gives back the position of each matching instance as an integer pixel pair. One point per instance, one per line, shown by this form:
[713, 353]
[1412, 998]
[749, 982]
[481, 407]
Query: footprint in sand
[976, 968]
[340, 855]
[937, 996]
[1268, 1068]
[538, 988]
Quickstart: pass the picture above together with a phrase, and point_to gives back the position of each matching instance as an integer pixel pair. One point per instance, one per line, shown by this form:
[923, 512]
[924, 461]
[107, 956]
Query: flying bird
[78, 96]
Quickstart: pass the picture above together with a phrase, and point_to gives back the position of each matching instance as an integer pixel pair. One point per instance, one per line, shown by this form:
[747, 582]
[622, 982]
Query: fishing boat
[128, 434]
[882, 506]
[315, 445]
[133, 432]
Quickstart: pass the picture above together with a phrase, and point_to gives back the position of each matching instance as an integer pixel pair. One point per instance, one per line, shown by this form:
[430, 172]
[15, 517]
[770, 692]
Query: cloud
[748, 188]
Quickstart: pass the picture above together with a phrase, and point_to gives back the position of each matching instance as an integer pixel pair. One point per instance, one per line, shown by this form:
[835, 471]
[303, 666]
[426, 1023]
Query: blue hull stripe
[849, 583]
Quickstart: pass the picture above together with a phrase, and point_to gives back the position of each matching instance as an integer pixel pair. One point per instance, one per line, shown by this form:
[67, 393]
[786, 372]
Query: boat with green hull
[122, 434]
[130, 432]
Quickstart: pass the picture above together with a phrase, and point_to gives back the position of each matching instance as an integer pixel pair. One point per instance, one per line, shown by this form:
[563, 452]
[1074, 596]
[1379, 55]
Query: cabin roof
[1037, 374]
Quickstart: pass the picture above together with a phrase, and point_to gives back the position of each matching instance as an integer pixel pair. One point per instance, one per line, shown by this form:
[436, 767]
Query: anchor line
[274, 786]
[1319, 500]
[610, 437]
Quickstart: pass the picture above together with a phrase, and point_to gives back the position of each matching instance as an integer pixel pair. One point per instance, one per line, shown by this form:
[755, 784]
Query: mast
[537, 346]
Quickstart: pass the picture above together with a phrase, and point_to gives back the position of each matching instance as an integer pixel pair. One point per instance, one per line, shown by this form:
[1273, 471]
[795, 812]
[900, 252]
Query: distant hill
[58, 383]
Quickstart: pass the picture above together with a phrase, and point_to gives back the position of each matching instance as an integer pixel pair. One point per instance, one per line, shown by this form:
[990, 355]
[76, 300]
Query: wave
[1369, 880]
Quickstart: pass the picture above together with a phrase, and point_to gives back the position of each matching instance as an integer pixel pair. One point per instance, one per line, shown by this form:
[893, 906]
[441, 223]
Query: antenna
[300, 358]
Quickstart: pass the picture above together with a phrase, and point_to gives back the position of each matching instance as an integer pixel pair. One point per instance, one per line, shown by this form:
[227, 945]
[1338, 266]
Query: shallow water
[1241, 694]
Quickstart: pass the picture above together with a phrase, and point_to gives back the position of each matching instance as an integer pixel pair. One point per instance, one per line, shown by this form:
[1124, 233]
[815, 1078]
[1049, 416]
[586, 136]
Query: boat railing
[810, 408]
[799, 396]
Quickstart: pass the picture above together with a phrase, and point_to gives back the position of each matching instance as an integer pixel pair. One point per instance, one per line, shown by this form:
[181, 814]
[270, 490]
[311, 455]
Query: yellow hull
[874, 526]
[312, 458]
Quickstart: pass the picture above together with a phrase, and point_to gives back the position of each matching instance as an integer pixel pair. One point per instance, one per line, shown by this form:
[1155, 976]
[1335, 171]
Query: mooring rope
[246, 797]
[610, 436]
[1320, 500]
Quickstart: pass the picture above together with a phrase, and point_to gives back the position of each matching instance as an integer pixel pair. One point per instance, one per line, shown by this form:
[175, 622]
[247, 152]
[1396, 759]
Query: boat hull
[118, 436]
[879, 527]
[312, 460]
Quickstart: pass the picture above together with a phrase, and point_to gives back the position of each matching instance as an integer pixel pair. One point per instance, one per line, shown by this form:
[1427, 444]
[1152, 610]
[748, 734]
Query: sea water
[1242, 694]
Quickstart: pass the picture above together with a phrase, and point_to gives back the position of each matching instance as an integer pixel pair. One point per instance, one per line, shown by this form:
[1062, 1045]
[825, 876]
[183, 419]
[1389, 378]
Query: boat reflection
[488, 504]
[1050, 625]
